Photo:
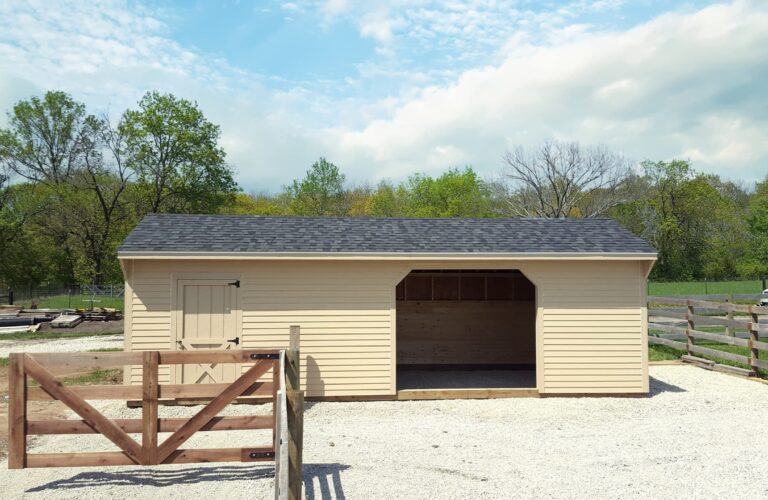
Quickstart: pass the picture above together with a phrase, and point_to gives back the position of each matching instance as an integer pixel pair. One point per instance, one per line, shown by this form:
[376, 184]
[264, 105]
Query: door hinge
[235, 340]
[236, 283]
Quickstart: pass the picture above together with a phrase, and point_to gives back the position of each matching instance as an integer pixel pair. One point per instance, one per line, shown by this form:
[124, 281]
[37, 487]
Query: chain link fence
[57, 296]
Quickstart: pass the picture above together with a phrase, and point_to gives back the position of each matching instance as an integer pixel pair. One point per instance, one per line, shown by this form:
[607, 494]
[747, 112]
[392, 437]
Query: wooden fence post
[730, 330]
[295, 400]
[691, 326]
[754, 336]
[150, 394]
[17, 412]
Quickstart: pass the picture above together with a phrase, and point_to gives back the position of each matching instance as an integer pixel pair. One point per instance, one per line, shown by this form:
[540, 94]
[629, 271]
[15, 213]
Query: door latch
[235, 340]
[235, 283]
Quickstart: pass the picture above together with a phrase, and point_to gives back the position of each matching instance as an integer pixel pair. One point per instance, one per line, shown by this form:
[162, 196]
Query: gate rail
[283, 390]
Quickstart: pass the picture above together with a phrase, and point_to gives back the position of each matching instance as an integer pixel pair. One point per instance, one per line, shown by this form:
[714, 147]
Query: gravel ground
[698, 436]
[61, 345]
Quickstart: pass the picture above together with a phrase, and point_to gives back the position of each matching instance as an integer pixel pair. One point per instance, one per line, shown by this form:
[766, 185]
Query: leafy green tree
[320, 192]
[73, 165]
[45, 138]
[256, 204]
[756, 262]
[695, 227]
[456, 193]
[387, 200]
[174, 151]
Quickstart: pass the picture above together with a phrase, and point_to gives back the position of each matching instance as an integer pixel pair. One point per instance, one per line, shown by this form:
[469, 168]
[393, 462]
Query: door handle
[235, 340]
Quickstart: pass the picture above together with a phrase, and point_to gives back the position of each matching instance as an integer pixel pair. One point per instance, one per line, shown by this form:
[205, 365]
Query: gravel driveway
[699, 436]
[61, 345]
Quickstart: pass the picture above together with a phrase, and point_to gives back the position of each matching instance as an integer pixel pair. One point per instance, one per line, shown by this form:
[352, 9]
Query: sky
[388, 89]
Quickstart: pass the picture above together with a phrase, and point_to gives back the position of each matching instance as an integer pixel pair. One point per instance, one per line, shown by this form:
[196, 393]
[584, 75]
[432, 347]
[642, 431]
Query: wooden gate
[283, 390]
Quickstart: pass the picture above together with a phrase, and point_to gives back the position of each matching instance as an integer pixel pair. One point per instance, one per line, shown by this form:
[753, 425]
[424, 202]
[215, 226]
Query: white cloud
[682, 85]
[110, 53]
[685, 85]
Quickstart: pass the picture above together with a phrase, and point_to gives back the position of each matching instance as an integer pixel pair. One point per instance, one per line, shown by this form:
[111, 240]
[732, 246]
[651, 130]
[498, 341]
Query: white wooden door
[207, 319]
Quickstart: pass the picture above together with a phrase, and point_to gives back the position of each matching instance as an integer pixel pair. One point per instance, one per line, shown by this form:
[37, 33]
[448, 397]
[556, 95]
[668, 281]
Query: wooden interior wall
[466, 319]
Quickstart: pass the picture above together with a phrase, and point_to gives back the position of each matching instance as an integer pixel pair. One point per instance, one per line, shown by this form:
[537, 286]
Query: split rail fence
[284, 390]
[741, 322]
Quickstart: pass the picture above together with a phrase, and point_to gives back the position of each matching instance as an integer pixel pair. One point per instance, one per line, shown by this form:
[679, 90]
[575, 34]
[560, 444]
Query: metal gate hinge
[261, 454]
[271, 355]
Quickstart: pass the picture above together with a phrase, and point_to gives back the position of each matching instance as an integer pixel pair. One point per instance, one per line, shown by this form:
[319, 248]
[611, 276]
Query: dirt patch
[88, 327]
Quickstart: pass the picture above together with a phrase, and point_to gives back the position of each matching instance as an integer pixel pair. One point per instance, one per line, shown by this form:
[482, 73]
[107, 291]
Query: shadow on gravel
[326, 475]
[328, 480]
[657, 387]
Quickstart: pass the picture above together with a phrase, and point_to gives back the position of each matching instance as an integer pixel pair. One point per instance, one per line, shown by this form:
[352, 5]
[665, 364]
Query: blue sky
[386, 89]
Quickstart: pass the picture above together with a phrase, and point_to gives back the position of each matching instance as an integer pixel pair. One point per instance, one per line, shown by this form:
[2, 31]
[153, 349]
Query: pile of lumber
[101, 314]
[67, 321]
[4, 330]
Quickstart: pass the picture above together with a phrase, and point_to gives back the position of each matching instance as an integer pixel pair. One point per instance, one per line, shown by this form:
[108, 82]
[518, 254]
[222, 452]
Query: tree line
[73, 185]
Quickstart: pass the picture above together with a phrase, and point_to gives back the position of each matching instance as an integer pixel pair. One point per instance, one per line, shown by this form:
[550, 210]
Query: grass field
[72, 302]
[704, 287]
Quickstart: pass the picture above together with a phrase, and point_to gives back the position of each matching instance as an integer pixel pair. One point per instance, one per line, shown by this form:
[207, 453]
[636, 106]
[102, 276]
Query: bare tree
[564, 179]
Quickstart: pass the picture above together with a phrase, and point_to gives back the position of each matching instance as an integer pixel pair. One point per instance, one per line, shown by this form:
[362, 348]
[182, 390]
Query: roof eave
[387, 255]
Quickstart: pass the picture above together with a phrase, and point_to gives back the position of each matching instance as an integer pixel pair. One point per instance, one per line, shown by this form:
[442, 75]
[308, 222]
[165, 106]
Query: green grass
[665, 353]
[704, 288]
[3, 362]
[72, 302]
[59, 334]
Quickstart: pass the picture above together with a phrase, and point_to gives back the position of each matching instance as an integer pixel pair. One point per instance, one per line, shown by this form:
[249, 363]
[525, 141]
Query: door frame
[178, 279]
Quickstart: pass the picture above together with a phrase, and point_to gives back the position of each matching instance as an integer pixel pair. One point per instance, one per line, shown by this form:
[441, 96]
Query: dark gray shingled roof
[159, 233]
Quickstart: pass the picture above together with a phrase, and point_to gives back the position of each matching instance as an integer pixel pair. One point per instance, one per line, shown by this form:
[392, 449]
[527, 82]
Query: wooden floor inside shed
[414, 384]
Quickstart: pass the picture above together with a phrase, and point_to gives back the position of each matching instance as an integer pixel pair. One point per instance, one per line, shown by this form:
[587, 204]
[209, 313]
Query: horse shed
[397, 308]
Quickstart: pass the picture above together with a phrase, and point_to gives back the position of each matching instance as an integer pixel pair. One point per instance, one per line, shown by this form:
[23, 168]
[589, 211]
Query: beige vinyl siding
[589, 323]
[590, 327]
[345, 312]
[149, 325]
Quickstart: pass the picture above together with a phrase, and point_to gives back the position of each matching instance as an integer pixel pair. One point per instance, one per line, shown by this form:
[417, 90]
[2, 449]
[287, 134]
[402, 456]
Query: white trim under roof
[388, 255]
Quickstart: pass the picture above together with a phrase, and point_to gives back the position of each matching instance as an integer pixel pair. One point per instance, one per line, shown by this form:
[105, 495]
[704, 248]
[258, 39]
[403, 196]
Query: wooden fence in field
[741, 322]
[286, 420]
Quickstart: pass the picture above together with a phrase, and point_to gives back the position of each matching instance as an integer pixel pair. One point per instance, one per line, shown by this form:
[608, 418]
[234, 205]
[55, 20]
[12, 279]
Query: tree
[74, 164]
[456, 193]
[386, 200]
[563, 179]
[756, 261]
[320, 192]
[44, 141]
[255, 204]
[174, 151]
[697, 230]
